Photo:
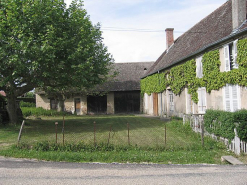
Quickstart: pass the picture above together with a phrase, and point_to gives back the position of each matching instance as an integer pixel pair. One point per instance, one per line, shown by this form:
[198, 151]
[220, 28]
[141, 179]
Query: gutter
[214, 44]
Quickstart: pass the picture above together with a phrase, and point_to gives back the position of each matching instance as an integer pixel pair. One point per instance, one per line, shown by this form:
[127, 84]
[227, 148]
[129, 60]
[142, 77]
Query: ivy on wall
[184, 75]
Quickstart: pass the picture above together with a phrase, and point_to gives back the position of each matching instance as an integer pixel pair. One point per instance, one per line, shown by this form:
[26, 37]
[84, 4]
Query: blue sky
[124, 24]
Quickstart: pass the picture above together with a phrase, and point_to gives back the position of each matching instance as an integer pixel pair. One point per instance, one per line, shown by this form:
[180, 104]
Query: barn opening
[127, 102]
[97, 104]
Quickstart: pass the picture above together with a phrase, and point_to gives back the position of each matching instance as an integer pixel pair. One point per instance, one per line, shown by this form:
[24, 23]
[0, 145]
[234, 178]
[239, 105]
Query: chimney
[169, 37]
[238, 13]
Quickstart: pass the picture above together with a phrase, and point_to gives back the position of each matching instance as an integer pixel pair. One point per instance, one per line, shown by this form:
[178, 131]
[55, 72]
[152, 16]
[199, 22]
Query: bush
[240, 117]
[31, 111]
[222, 123]
[27, 104]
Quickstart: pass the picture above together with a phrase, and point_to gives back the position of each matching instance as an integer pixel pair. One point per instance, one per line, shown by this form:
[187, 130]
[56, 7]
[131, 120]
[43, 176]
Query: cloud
[157, 15]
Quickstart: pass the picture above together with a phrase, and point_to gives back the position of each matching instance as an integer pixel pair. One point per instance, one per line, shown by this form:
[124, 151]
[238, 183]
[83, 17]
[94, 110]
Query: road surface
[24, 171]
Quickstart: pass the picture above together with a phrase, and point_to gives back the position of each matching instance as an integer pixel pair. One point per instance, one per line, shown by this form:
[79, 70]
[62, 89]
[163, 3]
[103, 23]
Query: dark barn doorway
[97, 104]
[127, 102]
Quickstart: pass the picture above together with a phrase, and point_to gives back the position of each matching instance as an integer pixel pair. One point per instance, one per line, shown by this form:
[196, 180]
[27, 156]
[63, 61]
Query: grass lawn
[146, 138]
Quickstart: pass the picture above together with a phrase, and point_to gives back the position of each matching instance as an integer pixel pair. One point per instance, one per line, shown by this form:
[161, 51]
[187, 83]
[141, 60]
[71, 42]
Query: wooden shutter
[232, 97]
[227, 58]
[227, 98]
[202, 100]
[234, 54]
[199, 73]
[235, 98]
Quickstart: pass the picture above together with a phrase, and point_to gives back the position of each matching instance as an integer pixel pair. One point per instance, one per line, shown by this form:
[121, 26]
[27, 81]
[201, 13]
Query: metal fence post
[19, 136]
[56, 123]
[63, 129]
[94, 123]
[109, 135]
[165, 133]
[128, 133]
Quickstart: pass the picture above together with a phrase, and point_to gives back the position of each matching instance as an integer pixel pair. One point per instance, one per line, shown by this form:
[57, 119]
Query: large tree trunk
[12, 109]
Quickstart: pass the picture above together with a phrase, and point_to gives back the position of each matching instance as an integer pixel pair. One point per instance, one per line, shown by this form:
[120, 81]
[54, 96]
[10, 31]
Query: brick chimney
[238, 13]
[169, 37]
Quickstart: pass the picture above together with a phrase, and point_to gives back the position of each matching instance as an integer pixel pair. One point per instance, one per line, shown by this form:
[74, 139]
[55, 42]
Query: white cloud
[145, 14]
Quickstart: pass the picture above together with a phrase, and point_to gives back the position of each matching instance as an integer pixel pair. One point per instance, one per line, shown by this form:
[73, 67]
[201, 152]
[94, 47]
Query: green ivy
[184, 75]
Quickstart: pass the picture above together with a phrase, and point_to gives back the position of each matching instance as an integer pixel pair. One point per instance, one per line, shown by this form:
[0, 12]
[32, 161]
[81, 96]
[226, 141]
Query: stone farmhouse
[120, 95]
[205, 68]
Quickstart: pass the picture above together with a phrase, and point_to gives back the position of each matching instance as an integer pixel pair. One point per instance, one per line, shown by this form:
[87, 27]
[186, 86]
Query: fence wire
[94, 133]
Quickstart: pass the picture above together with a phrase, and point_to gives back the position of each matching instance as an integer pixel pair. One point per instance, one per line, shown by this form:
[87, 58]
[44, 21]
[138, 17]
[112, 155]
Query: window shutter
[234, 54]
[227, 58]
[227, 98]
[199, 73]
[235, 98]
[202, 100]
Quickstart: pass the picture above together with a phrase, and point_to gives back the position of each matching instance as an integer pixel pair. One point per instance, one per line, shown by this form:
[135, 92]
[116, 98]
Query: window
[202, 106]
[199, 72]
[230, 55]
[54, 104]
[231, 92]
[231, 97]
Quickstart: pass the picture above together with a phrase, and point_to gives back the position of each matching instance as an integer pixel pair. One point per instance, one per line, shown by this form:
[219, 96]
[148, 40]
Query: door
[155, 104]
[171, 101]
[77, 105]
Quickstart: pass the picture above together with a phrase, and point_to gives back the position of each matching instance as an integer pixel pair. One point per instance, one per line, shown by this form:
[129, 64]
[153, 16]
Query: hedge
[222, 123]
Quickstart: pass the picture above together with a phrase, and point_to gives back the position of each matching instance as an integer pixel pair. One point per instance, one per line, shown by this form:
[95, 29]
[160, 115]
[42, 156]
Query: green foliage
[222, 123]
[32, 111]
[242, 53]
[154, 84]
[44, 44]
[184, 75]
[27, 104]
[240, 117]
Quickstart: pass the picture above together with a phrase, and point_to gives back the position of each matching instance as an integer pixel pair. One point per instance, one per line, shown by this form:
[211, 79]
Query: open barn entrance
[127, 102]
[97, 104]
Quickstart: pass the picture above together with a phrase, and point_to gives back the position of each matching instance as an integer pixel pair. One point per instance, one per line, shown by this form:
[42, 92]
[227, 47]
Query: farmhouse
[205, 68]
[120, 95]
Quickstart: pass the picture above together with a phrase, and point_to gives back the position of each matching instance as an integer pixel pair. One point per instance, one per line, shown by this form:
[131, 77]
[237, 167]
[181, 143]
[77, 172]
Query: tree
[46, 45]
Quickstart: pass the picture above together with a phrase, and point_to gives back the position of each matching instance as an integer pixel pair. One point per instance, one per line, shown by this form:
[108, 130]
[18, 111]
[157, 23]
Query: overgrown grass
[146, 136]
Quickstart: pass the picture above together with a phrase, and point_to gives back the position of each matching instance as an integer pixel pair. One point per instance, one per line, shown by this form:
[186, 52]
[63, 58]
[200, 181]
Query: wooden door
[77, 105]
[155, 104]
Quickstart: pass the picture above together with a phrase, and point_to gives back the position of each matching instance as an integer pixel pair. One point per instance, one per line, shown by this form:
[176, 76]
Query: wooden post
[19, 136]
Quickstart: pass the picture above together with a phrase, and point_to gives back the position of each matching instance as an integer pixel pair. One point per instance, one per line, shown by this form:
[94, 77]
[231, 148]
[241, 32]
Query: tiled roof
[214, 27]
[128, 77]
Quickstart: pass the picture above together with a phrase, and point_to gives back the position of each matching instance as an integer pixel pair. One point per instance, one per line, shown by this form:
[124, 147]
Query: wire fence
[136, 134]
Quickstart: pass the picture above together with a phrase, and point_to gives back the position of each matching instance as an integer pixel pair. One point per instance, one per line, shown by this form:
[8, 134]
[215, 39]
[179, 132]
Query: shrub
[31, 111]
[27, 104]
[240, 117]
[222, 123]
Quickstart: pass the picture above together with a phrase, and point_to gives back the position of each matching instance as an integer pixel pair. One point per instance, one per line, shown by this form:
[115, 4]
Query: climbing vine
[184, 75]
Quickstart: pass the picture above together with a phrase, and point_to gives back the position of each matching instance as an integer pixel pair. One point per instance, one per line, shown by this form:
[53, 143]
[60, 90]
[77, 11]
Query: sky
[134, 30]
